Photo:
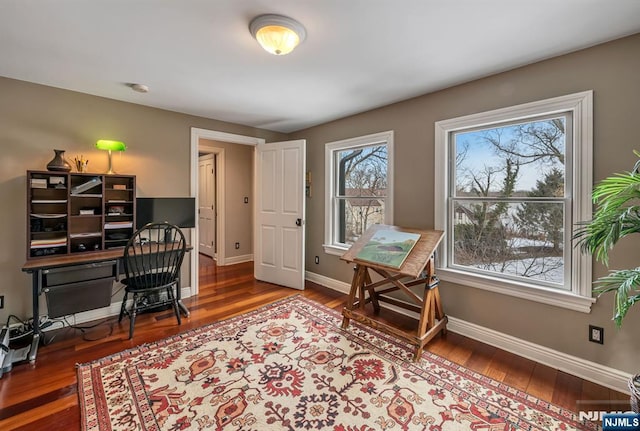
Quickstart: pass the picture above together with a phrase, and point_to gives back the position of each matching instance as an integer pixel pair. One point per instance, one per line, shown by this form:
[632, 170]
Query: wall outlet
[317, 260]
[1, 302]
[237, 245]
[596, 334]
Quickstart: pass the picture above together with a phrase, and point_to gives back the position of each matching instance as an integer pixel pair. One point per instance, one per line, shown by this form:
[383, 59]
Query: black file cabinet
[78, 288]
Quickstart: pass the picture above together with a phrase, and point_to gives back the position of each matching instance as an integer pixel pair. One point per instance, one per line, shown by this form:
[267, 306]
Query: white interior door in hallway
[207, 204]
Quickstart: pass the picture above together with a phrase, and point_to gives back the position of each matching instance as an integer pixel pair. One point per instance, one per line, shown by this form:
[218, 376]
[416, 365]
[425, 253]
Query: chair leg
[132, 315]
[123, 306]
[176, 309]
[174, 303]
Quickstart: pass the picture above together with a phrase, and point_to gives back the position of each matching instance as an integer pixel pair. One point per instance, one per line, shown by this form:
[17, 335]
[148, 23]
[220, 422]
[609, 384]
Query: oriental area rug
[289, 366]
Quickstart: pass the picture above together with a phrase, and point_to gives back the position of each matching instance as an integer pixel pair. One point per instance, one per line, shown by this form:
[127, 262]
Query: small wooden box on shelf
[69, 213]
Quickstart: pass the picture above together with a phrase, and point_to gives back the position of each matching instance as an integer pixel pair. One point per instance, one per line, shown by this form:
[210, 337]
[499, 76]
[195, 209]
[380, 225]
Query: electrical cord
[26, 327]
[83, 329]
[67, 325]
[13, 316]
[117, 291]
[17, 333]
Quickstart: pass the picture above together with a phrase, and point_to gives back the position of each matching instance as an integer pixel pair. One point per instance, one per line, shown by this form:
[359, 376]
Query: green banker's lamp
[104, 144]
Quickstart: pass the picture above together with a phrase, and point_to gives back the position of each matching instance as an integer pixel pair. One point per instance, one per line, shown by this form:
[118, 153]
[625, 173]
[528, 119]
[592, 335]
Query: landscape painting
[388, 248]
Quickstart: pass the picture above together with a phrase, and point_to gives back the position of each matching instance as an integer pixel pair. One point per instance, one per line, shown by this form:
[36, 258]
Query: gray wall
[35, 119]
[611, 71]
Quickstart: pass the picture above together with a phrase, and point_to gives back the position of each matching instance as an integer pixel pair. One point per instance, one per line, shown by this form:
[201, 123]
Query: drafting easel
[418, 268]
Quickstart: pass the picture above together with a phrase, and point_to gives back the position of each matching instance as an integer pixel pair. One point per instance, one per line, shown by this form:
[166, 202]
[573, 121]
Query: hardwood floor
[43, 396]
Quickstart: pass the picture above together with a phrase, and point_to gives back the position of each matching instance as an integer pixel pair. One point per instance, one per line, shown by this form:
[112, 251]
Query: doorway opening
[233, 196]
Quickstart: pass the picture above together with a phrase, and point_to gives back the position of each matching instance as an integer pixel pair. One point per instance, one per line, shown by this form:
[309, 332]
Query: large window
[511, 185]
[358, 188]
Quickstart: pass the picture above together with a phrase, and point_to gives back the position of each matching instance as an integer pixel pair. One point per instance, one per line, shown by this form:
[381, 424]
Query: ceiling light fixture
[140, 88]
[277, 34]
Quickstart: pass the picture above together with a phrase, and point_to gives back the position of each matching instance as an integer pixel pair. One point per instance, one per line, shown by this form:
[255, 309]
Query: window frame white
[579, 297]
[331, 148]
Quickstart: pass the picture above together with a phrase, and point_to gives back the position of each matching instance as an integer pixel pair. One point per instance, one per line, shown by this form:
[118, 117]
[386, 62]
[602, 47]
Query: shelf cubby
[69, 213]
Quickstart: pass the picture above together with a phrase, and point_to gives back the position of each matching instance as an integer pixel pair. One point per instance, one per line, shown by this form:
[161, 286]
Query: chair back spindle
[152, 260]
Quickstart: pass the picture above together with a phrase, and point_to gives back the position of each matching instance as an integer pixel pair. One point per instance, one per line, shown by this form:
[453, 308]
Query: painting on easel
[388, 248]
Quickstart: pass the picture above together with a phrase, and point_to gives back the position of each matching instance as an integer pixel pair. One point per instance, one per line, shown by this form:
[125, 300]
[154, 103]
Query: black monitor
[178, 211]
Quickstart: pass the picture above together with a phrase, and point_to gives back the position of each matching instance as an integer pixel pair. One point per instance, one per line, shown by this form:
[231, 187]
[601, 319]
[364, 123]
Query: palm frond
[615, 191]
[608, 226]
[617, 216]
[625, 284]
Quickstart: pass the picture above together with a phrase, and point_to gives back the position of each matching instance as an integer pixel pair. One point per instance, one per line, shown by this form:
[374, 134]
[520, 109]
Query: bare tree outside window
[510, 185]
[508, 200]
[361, 190]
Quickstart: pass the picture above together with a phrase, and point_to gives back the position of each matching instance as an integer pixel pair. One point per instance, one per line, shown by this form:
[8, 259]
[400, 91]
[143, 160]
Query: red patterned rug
[289, 366]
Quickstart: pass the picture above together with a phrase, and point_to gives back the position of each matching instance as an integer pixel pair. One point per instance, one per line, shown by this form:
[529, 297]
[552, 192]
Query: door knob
[298, 222]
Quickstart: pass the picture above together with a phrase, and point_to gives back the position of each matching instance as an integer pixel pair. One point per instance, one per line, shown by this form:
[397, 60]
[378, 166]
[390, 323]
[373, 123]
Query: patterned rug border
[362, 334]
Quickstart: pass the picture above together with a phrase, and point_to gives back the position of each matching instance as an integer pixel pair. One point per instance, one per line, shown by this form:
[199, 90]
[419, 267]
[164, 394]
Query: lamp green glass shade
[105, 144]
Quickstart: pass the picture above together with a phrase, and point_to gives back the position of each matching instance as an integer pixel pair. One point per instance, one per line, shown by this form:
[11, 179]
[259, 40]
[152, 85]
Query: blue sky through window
[537, 147]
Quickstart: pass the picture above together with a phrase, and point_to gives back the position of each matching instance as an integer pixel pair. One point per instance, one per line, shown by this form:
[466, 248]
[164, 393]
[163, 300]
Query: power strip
[17, 331]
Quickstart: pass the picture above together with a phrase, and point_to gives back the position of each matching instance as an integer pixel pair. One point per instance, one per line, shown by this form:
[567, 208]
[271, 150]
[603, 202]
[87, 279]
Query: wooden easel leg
[439, 310]
[426, 321]
[432, 317]
[358, 274]
[361, 282]
[373, 296]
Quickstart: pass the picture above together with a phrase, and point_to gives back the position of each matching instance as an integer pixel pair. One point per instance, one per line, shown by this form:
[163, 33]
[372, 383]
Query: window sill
[334, 249]
[558, 298]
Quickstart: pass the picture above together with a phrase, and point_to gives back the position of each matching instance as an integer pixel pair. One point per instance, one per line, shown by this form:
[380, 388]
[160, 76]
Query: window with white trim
[358, 181]
[511, 184]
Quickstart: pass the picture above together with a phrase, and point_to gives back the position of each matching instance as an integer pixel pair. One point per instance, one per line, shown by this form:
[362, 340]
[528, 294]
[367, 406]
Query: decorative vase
[59, 163]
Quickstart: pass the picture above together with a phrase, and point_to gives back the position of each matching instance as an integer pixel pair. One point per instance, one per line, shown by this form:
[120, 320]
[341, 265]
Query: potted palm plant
[617, 215]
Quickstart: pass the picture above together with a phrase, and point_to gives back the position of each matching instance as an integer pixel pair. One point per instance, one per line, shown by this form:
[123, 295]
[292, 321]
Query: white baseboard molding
[238, 259]
[587, 370]
[101, 313]
[331, 283]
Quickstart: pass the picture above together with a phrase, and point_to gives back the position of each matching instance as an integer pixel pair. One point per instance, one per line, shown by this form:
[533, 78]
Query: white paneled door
[280, 213]
[207, 204]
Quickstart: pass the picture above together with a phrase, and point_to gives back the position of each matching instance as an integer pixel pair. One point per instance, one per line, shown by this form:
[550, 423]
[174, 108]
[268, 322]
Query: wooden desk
[36, 268]
[418, 268]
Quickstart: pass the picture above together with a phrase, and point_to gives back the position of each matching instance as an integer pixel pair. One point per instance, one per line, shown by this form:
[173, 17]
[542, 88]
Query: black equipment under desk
[85, 278]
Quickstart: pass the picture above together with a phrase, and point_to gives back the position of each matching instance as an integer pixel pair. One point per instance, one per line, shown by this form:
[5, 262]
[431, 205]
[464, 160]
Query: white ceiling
[198, 57]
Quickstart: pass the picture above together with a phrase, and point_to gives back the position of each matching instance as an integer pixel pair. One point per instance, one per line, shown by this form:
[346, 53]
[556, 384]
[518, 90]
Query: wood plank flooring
[43, 396]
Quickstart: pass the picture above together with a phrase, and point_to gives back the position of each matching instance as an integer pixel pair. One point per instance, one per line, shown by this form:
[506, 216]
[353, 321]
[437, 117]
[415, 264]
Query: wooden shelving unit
[69, 213]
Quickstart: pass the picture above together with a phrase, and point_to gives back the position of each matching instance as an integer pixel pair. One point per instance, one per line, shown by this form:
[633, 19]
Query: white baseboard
[238, 259]
[331, 283]
[587, 370]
